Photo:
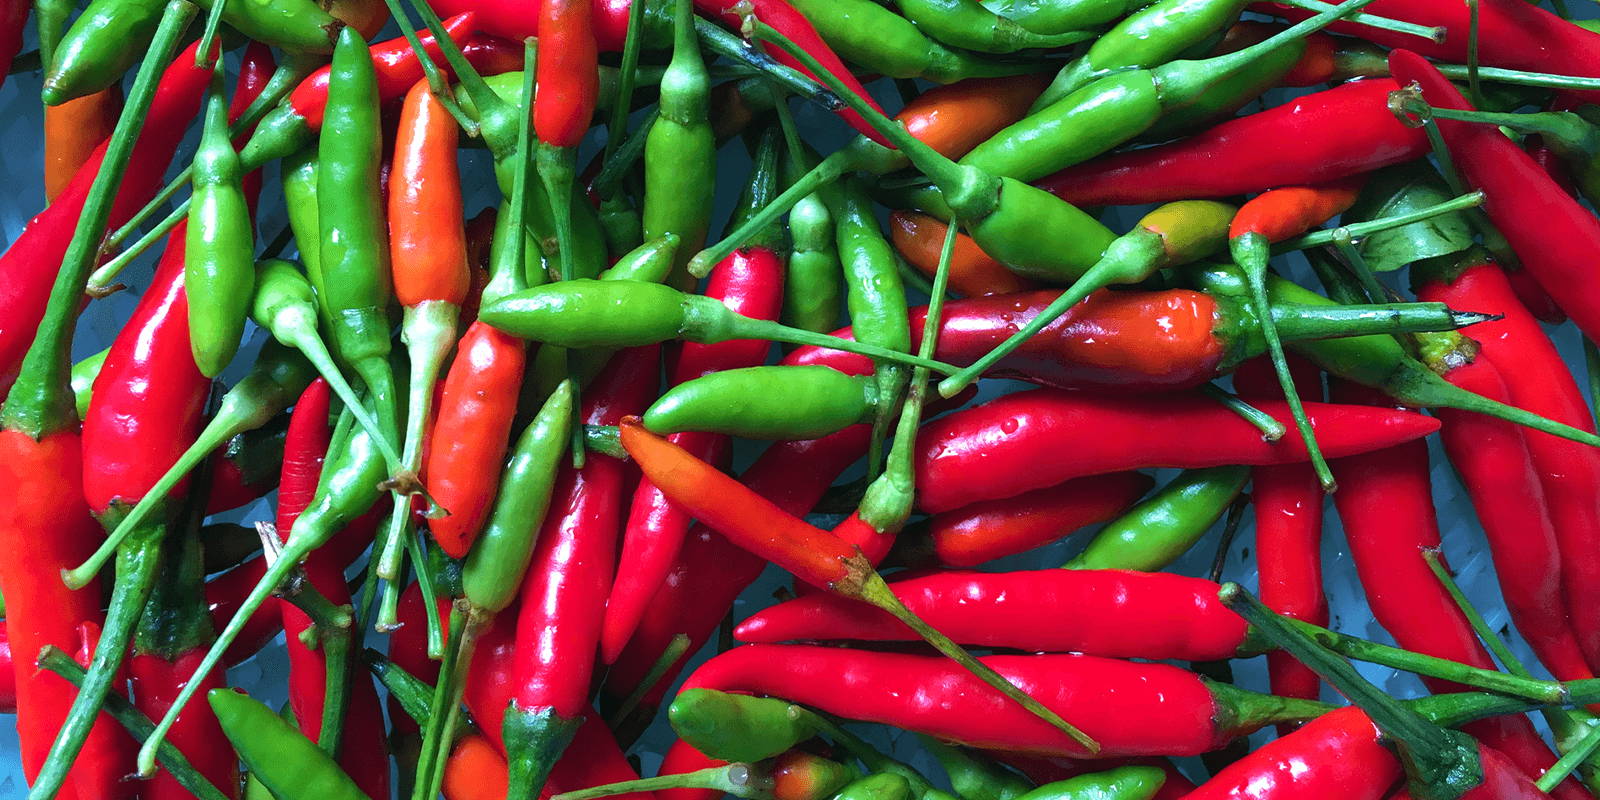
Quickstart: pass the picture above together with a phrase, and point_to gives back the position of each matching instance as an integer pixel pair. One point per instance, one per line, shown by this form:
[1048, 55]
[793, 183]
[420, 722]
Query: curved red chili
[984, 531]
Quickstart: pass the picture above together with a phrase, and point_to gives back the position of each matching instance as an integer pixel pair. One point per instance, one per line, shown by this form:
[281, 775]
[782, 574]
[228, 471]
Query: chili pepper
[732, 727]
[975, 776]
[475, 771]
[1112, 433]
[46, 237]
[1288, 513]
[815, 401]
[1386, 506]
[220, 240]
[1113, 612]
[564, 584]
[1118, 107]
[8, 676]
[1120, 783]
[972, 272]
[1337, 133]
[580, 313]
[172, 634]
[100, 45]
[1185, 715]
[563, 109]
[72, 131]
[289, 764]
[875, 298]
[1285, 66]
[298, 26]
[710, 571]
[966, 24]
[679, 159]
[1161, 528]
[246, 468]
[750, 282]
[356, 280]
[1172, 234]
[887, 43]
[1517, 194]
[13, 21]
[951, 119]
[971, 535]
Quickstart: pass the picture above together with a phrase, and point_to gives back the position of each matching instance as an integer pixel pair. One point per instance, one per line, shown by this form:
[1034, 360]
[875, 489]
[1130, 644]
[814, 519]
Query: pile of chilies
[506, 440]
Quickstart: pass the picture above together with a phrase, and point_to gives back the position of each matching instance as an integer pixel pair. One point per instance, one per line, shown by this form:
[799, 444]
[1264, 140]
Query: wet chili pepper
[289, 764]
[971, 535]
[1118, 613]
[1287, 500]
[889, 44]
[1164, 526]
[1520, 198]
[1195, 715]
[565, 585]
[72, 131]
[990, 451]
[1338, 132]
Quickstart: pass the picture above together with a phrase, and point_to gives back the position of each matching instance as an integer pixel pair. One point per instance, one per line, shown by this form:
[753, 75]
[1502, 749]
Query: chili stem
[136, 723]
[836, 165]
[332, 626]
[621, 161]
[1358, 265]
[1431, 33]
[1358, 230]
[1569, 761]
[739, 779]
[438, 84]
[208, 35]
[446, 694]
[617, 126]
[792, 80]
[676, 648]
[1271, 429]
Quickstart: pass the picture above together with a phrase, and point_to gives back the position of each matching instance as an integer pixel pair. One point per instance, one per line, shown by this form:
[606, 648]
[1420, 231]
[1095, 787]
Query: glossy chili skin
[98, 47]
[427, 240]
[983, 531]
[1022, 441]
[919, 238]
[276, 753]
[1163, 526]
[750, 282]
[1339, 754]
[710, 571]
[1136, 709]
[1287, 502]
[1538, 380]
[679, 158]
[1114, 613]
[564, 589]
[566, 72]
[1545, 225]
[478, 404]
[1338, 132]
[219, 269]
[72, 132]
[24, 289]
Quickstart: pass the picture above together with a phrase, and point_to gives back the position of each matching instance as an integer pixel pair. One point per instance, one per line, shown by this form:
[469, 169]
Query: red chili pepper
[469, 437]
[408, 649]
[1129, 708]
[711, 571]
[8, 678]
[1534, 297]
[1116, 613]
[13, 20]
[517, 20]
[156, 683]
[971, 535]
[305, 449]
[1551, 233]
[564, 591]
[1385, 503]
[1538, 380]
[24, 287]
[569, 85]
[1343, 131]
[1288, 506]
[1340, 751]
[751, 283]
[1030, 440]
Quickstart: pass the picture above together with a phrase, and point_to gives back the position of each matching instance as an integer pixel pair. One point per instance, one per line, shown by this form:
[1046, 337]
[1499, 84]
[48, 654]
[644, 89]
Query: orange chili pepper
[427, 241]
[366, 16]
[1282, 213]
[475, 771]
[973, 272]
[957, 117]
[72, 131]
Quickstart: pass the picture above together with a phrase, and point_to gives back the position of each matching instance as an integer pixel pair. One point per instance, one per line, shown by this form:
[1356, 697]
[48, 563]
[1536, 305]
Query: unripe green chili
[218, 270]
[277, 754]
[83, 374]
[1163, 527]
[591, 313]
[1060, 16]
[876, 299]
[285, 304]
[974, 776]
[299, 176]
[781, 403]
[868, 34]
[356, 286]
[273, 384]
[1230, 93]
[1121, 783]
[297, 26]
[99, 46]
[878, 786]
[735, 727]
[1175, 233]
[680, 151]
[966, 24]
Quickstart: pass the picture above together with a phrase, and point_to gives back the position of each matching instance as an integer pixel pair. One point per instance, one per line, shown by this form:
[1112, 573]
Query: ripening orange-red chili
[427, 240]
[919, 238]
[72, 131]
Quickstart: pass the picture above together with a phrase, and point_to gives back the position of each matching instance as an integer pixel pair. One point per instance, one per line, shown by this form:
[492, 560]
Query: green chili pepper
[290, 765]
[494, 567]
[650, 262]
[83, 374]
[591, 313]
[878, 786]
[975, 777]
[298, 26]
[286, 305]
[1230, 93]
[680, 151]
[967, 24]
[1164, 526]
[876, 299]
[50, 22]
[811, 295]
[1122, 783]
[356, 288]
[1060, 16]
[299, 176]
[218, 270]
[107, 38]
[865, 33]
[786, 402]
[738, 727]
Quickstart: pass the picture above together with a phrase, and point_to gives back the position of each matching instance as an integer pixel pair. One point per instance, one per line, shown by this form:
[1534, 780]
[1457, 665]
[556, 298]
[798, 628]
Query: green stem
[1569, 761]
[208, 35]
[1358, 230]
[1415, 384]
[617, 126]
[674, 652]
[333, 625]
[137, 725]
[621, 161]
[740, 780]
[1431, 33]
[446, 695]
[1358, 265]
[1474, 88]
[438, 83]
[751, 328]
[792, 80]
[303, 336]
[1271, 429]
[41, 400]
[830, 169]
